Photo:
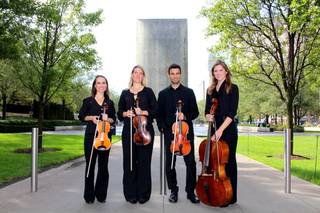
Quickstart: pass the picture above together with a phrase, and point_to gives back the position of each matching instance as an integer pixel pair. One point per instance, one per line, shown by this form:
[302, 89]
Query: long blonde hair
[214, 82]
[143, 83]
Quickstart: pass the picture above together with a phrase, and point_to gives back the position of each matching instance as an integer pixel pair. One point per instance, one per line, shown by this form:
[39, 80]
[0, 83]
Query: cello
[142, 135]
[213, 186]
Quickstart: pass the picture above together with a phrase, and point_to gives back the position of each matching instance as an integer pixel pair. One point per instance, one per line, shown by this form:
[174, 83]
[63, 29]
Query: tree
[14, 20]
[57, 49]
[8, 84]
[274, 42]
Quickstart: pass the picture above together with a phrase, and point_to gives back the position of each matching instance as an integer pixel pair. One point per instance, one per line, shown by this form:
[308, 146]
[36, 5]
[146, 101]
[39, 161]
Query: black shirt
[147, 101]
[90, 107]
[227, 103]
[167, 103]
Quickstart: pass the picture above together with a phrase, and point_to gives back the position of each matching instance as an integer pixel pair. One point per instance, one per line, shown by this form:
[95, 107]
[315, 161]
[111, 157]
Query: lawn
[14, 166]
[269, 150]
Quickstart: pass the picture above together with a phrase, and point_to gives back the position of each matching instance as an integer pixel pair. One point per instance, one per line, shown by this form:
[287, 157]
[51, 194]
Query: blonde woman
[137, 179]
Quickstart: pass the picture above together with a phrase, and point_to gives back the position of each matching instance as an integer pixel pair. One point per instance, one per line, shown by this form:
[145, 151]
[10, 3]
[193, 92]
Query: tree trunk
[290, 118]
[64, 109]
[4, 106]
[40, 123]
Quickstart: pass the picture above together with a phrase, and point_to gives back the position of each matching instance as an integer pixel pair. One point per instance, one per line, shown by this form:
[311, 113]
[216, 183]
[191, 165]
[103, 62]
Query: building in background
[161, 42]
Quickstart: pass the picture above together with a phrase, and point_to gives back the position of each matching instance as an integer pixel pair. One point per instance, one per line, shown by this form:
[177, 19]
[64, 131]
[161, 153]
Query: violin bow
[174, 139]
[131, 140]
[93, 143]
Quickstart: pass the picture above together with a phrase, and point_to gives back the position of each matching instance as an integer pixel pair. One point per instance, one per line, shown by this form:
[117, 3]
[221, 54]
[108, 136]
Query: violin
[213, 186]
[142, 135]
[102, 142]
[180, 144]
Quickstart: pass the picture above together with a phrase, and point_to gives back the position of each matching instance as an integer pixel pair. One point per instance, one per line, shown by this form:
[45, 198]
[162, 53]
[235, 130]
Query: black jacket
[167, 104]
[91, 107]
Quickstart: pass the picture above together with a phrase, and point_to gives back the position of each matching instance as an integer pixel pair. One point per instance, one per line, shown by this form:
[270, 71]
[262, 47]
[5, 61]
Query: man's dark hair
[174, 66]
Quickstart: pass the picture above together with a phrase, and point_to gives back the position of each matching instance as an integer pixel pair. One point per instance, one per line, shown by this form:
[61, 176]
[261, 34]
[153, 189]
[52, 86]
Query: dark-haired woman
[227, 95]
[91, 112]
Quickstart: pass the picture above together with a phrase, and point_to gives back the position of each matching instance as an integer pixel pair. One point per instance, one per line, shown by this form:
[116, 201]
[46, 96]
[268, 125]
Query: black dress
[137, 183]
[167, 103]
[227, 107]
[99, 190]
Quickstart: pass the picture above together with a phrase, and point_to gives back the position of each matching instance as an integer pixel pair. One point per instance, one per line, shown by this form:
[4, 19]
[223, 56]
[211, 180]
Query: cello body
[213, 186]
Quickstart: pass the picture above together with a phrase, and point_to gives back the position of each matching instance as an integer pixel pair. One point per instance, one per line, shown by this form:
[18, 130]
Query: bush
[7, 126]
[282, 127]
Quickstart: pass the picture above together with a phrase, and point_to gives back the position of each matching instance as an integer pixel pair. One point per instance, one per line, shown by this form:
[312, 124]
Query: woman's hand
[217, 135]
[94, 119]
[141, 112]
[128, 113]
[209, 117]
[105, 117]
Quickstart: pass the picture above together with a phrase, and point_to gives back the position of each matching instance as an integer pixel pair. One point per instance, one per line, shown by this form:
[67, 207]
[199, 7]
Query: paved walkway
[261, 189]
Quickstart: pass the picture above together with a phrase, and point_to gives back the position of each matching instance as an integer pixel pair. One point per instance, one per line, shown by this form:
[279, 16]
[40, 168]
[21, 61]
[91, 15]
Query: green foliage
[14, 19]
[25, 125]
[269, 150]
[201, 106]
[280, 127]
[276, 43]
[58, 48]
[15, 166]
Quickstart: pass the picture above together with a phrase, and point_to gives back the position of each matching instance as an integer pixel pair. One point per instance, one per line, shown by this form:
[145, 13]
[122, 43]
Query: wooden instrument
[180, 144]
[102, 142]
[142, 135]
[213, 186]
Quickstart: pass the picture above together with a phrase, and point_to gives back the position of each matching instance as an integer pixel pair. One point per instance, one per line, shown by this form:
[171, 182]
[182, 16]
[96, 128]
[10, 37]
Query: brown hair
[174, 66]
[144, 74]
[94, 90]
[214, 83]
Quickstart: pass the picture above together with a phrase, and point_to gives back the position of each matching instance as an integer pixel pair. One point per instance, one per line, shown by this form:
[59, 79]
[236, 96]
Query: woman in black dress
[137, 180]
[91, 111]
[227, 95]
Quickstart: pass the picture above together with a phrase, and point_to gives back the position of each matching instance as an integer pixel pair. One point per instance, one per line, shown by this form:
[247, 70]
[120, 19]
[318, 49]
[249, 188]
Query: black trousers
[232, 169]
[189, 161]
[136, 183]
[99, 189]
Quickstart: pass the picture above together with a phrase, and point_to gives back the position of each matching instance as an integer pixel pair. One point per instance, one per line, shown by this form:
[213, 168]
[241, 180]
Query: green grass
[14, 166]
[269, 150]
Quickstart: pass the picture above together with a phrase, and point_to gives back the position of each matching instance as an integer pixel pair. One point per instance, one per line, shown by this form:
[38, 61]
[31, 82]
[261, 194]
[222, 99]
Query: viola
[102, 142]
[213, 186]
[180, 144]
[142, 135]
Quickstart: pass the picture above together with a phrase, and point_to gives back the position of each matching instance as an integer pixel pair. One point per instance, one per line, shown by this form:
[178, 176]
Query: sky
[116, 37]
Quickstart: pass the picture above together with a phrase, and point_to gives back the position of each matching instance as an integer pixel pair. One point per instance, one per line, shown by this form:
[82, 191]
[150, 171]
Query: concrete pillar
[161, 42]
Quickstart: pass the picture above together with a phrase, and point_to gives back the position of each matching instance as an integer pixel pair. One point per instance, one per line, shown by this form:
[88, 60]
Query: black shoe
[133, 201]
[173, 197]
[101, 200]
[89, 201]
[143, 200]
[193, 198]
